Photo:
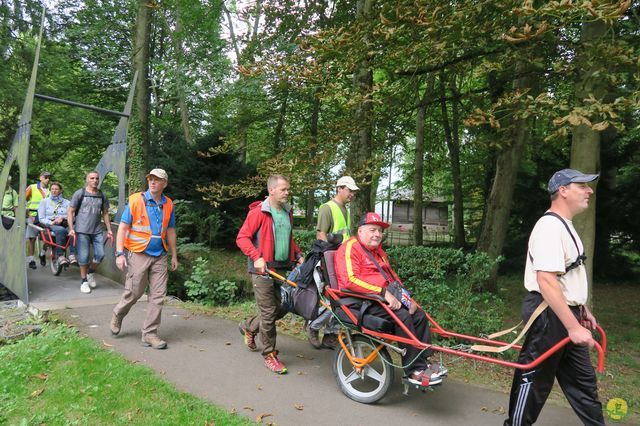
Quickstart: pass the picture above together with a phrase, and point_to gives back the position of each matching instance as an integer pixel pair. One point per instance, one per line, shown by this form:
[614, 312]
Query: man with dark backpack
[555, 276]
[88, 206]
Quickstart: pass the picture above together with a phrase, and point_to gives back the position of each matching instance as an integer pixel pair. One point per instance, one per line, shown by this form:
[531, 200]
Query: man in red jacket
[266, 237]
[362, 266]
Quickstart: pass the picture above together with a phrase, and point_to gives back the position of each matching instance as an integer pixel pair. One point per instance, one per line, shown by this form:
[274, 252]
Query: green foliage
[203, 287]
[196, 224]
[58, 377]
[447, 283]
[304, 239]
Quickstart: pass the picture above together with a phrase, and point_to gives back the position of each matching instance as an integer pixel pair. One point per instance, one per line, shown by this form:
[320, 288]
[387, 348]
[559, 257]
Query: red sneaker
[273, 363]
[248, 337]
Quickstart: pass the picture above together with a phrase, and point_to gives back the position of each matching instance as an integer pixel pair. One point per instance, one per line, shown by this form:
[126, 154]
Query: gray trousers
[142, 268]
[326, 319]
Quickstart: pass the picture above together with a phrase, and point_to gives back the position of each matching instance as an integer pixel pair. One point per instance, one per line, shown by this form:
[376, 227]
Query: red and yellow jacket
[355, 270]
[256, 236]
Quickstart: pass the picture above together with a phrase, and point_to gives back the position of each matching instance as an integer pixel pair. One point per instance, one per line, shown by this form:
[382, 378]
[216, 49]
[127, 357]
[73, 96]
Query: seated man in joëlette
[362, 266]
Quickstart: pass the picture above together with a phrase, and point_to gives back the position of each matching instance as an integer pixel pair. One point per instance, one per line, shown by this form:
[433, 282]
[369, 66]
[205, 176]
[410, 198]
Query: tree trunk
[278, 137]
[498, 206]
[138, 159]
[313, 133]
[585, 142]
[359, 157]
[454, 158]
[418, 182]
[180, 91]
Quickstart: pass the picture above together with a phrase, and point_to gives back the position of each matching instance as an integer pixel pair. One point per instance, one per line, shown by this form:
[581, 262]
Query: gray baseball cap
[566, 176]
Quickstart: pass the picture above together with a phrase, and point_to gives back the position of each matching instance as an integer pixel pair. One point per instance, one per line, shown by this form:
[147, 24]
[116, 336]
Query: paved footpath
[206, 357]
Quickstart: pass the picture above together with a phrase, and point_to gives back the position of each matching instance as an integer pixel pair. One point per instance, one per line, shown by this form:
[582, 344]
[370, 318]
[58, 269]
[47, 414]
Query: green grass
[58, 377]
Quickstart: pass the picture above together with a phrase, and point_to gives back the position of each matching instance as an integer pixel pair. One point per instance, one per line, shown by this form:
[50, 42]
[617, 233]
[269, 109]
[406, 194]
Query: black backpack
[84, 195]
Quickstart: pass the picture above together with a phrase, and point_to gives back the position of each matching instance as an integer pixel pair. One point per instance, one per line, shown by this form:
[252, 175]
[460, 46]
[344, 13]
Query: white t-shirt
[553, 250]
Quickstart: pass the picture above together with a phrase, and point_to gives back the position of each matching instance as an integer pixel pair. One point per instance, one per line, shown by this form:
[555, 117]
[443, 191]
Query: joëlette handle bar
[50, 242]
[280, 277]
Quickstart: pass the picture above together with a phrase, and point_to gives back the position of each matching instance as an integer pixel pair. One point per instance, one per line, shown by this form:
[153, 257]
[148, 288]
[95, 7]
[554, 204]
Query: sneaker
[62, 260]
[116, 324]
[32, 264]
[84, 287]
[272, 362]
[330, 341]
[72, 259]
[43, 259]
[248, 338]
[314, 338]
[154, 341]
[92, 281]
[438, 369]
[424, 378]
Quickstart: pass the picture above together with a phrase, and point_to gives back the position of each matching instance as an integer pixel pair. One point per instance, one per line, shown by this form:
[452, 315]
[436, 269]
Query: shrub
[304, 240]
[447, 283]
[202, 287]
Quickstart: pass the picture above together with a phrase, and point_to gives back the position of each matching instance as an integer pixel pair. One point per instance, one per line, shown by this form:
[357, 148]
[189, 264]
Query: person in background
[334, 217]
[9, 204]
[35, 193]
[52, 213]
[88, 206]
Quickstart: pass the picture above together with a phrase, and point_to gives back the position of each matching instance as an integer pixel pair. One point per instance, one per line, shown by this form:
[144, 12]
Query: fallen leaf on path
[301, 373]
[484, 409]
[163, 373]
[107, 344]
[41, 376]
[234, 411]
[227, 343]
[262, 416]
[304, 357]
[201, 331]
[499, 410]
[37, 392]
[299, 407]
[259, 387]
[247, 408]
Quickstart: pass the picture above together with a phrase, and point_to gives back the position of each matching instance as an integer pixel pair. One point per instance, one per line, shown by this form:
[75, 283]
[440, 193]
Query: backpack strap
[581, 257]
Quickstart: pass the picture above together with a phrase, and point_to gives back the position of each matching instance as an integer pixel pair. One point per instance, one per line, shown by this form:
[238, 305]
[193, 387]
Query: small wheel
[56, 267]
[374, 380]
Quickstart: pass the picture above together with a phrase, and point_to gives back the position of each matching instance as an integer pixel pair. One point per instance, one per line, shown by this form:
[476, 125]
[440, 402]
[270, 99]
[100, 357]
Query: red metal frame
[437, 329]
[48, 239]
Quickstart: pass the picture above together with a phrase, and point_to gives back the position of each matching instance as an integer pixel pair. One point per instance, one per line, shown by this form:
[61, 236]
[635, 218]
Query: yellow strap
[499, 349]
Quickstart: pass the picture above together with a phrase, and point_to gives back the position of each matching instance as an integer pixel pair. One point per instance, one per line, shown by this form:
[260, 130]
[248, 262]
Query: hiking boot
[438, 369]
[424, 378]
[314, 338]
[62, 260]
[43, 259]
[72, 259]
[330, 341]
[154, 341]
[248, 337]
[116, 324]
[272, 362]
[92, 280]
[84, 287]
[32, 264]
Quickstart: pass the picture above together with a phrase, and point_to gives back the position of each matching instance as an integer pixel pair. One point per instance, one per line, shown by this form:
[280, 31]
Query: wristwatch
[119, 253]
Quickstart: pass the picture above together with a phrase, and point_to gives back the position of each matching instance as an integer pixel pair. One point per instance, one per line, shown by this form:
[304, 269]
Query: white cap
[348, 182]
[159, 173]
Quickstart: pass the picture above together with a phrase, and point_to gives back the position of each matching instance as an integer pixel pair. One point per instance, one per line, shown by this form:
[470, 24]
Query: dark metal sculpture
[13, 268]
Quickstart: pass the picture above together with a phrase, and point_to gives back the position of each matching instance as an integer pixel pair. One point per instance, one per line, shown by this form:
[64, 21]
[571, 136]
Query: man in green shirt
[334, 217]
[9, 204]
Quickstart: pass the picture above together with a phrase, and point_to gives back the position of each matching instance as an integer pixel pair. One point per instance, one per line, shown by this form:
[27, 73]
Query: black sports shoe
[32, 264]
[43, 260]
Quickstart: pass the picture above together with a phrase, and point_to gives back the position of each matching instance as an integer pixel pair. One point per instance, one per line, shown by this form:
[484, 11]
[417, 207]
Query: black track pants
[570, 365]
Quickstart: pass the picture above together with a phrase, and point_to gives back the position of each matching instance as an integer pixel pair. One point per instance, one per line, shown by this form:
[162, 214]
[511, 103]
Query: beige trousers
[142, 268]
